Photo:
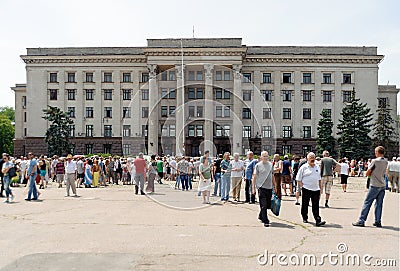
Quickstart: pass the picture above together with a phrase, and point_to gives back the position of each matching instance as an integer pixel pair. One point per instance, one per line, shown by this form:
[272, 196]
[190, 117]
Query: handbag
[275, 204]
[12, 172]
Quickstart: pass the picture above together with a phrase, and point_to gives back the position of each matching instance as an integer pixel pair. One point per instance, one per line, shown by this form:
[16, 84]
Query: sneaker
[66, 195]
[297, 203]
[12, 197]
[377, 224]
[28, 199]
[266, 224]
[6, 201]
[320, 223]
[326, 205]
[358, 224]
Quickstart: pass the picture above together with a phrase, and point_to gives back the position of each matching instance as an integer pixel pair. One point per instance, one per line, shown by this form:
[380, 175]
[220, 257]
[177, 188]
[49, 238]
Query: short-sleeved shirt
[378, 167]
[226, 165]
[6, 165]
[217, 165]
[80, 167]
[344, 168]
[60, 169]
[285, 167]
[295, 169]
[205, 170]
[327, 164]
[238, 165]
[183, 167]
[32, 164]
[263, 172]
[160, 166]
[309, 176]
[140, 165]
[250, 168]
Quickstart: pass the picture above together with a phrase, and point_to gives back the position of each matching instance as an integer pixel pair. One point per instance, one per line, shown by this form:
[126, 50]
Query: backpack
[12, 172]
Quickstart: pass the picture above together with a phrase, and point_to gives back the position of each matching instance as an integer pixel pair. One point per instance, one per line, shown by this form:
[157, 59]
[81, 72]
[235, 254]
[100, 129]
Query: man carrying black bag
[262, 180]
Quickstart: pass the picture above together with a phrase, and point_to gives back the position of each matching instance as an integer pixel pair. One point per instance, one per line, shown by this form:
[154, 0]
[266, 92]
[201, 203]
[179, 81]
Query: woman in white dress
[205, 180]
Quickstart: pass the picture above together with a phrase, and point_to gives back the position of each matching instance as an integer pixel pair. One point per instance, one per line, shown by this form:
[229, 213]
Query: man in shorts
[327, 166]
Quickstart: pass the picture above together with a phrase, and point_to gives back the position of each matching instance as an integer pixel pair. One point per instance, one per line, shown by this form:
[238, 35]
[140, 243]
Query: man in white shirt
[70, 171]
[309, 180]
[23, 167]
[236, 176]
[393, 174]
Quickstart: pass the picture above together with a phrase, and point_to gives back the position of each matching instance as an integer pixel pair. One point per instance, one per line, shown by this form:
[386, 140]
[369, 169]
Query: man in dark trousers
[1, 176]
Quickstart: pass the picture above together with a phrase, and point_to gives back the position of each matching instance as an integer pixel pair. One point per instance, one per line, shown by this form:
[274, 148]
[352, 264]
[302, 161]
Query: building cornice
[83, 59]
[195, 51]
[315, 59]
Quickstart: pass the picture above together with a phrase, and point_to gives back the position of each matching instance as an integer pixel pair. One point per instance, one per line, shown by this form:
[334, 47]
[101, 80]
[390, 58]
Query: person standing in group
[110, 170]
[277, 163]
[2, 175]
[226, 169]
[262, 181]
[80, 167]
[361, 168]
[70, 170]
[96, 173]
[327, 166]
[376, 190]
[140, 175]
[205, 179]
[183, 172]
[172, 164]
[296, 167]
[88, 173]
[60, 171]
[132, 171]
[309, 180]
[160, 168]
[217, 176]
[152, 170]
[31, 174]
[23, 168]
[286, 175]
[53, 168]
[43, 172]
[344, 174]
[7, 165]
[236, 176]
[393, 175]
[194, 168]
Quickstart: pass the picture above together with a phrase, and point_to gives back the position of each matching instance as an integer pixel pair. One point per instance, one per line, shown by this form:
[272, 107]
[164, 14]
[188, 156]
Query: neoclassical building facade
[184, 96]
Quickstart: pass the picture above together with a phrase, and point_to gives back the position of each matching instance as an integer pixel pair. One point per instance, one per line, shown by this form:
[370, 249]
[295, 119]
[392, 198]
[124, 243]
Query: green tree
[385, 133]
[354, 128]
[325, 140]
[58, 133]
[8, 111]
[6, 135]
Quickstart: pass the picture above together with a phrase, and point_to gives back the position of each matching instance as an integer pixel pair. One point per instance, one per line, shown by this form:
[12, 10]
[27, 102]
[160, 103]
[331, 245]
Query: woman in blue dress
[88, 174]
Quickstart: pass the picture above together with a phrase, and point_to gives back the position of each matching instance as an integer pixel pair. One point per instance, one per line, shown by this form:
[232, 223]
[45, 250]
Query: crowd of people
[222, 176]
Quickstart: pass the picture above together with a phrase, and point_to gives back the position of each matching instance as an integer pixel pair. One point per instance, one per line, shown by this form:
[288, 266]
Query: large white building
[225, 97]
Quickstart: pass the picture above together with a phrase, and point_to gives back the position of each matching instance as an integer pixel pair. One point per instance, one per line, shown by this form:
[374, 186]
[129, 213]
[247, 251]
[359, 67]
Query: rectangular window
[126, 77]
[199, 130]
[71, 77]
[267, 131]
[107, 148]
[200, 93]
[71, 112]
[71, 128]
[267, 95]
[382, 102]
[199, 75]
[89, 112]
[71, 94]
[164, 93]
[267, 113]
[306, 113]
[218, 76]
[227, 76]
[89, 131]
[307, 95]
[172, 110]
[218, 93]
[192, 93]
[287, 113]
[227, 130]
[246, 95]
[53, 94]
[346, 78]
[218, 111]
[287, 78]
[172, 94]
[287, 95]
[199, 111]
[247, 77]
[145, 77]
[108, 94]
[327, 96]
[307, 78]
[346, 96]
[246, 113]
[126, 112]
[164, 111]
[171, 76]
[144, 130]
[25, 116]
[145, 94]
[126, 131]
[89, 94]
[246, 132]
[172, 130]
[89, 77]
[326, 78]
[287, 131]
[191, 111]
[164, 76]
[126, 94]
[24, 101]
[191, 76]
[218, 130]
[108, 130]
[191, 130]
[126, 149]
[53, 77]
[267, 78]
[107, 77]
[145, 112]
[305, 150]
[227, 94]
[286, 149]
[88, 149]
[164, 130]
[227, 111]
[108, 112]
[306, 131]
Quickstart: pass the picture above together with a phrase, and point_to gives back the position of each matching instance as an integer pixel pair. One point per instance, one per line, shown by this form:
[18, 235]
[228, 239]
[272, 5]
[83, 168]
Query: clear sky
[63, 23]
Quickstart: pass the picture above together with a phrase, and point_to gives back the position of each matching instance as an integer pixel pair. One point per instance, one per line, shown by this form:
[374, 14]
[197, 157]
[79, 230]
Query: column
[208, 110]
[153, 126]
[180, 110]
[237, 126]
